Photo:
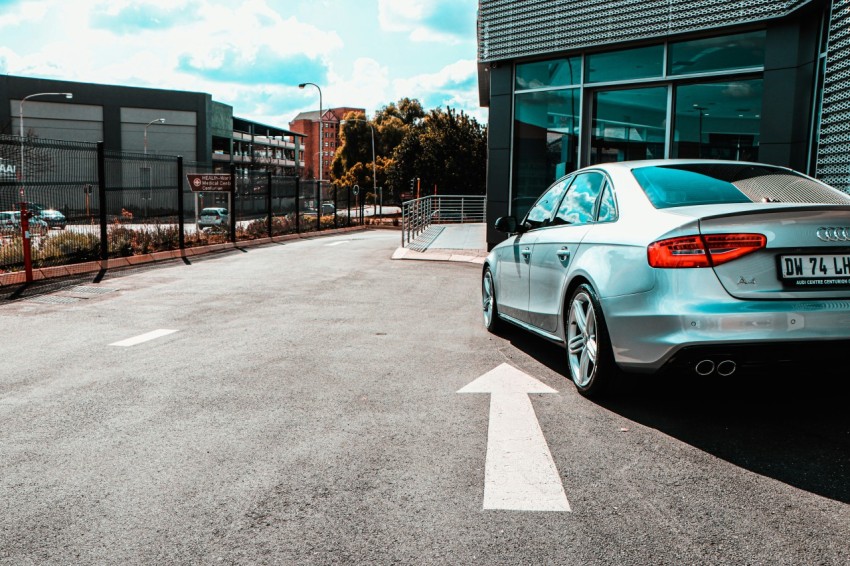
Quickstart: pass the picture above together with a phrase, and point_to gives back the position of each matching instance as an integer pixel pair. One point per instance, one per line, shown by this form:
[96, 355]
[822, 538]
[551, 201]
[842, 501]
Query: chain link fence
[91, 204]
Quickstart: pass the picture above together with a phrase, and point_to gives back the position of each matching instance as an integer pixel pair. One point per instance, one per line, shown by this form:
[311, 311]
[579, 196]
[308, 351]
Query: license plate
[826, 269]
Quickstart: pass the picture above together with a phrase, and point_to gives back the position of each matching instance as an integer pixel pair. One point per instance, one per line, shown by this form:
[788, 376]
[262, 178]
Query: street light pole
[21, 127]
[321, 140]
[374, 169]
[157, 121]
[146, 169]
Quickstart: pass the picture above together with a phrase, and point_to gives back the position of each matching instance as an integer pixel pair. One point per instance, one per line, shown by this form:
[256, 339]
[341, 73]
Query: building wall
[520, 28]
[330, 130]
[833, 160]
[96, 112]
[523, 31]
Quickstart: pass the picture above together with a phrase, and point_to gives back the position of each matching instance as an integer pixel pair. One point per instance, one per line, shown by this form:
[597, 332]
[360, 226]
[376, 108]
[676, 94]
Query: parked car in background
[10, 224]
[213, 218]
[698, 265]
[53, 218]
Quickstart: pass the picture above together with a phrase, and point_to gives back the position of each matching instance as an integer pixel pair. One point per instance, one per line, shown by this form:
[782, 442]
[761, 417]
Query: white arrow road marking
[144, 337]
[519, 474]
[338, 243]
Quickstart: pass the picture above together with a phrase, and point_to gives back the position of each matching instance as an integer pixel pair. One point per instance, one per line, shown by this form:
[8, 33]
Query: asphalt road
[305, 409]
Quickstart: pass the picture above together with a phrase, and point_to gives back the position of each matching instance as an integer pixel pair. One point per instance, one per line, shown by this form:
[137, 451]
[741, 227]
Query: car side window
[579, 202]
[541, 213]
[607, 206]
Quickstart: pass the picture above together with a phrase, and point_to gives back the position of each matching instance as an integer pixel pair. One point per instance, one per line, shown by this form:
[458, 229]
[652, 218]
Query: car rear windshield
[209, 212]
[670, 186]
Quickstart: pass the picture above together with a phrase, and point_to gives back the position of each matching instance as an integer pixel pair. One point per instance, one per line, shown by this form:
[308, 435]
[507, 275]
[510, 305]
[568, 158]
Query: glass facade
[546, 130]
[718, 120]
[629, 64]
[693, 98]
[628, 124]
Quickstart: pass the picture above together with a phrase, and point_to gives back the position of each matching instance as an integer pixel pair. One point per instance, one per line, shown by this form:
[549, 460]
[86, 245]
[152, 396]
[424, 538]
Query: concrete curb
[463, 256]
[19, 277]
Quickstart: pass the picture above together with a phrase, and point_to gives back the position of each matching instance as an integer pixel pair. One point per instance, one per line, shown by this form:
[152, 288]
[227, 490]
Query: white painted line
[338, 243]
[144, 337]
[519, 474]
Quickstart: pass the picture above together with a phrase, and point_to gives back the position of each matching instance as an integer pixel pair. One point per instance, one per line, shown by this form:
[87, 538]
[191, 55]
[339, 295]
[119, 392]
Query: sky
[253, 54]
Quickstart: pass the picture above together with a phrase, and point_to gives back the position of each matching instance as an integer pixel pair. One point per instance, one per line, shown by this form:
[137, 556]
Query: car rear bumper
[649, 338]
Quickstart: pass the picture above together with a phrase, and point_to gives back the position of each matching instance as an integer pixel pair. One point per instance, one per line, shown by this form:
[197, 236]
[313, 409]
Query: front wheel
[589, 352]
[488, 302]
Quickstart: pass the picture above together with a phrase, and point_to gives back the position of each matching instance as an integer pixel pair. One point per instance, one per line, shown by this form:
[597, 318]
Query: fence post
[269, 200]
[101, 197]
[297, 205]
[318, 205]
[181, 239]
[233, 193]
[348, 207]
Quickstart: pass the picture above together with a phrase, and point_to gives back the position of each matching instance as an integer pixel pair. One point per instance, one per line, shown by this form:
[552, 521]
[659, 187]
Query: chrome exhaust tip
[704, 367]
[726, 368]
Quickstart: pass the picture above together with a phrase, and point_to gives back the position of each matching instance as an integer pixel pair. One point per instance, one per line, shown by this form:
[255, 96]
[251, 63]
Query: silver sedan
[705, 265]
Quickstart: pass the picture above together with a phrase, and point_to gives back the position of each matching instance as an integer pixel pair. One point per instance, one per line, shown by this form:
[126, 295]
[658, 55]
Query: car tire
[492, 322]
[589, 353]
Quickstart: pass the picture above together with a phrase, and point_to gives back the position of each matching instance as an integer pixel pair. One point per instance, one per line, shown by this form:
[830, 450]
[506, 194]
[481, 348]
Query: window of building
[739, 51]
[552, 73]
[705, 102]
[628, 124]
[718, 120]
[546, 128]
[629, 64]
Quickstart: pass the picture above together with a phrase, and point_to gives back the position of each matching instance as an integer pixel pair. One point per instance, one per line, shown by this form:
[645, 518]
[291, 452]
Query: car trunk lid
[807, 254]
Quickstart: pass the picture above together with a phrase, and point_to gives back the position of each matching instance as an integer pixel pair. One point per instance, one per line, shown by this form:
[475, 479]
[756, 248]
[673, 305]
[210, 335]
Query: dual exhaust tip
[723, 368]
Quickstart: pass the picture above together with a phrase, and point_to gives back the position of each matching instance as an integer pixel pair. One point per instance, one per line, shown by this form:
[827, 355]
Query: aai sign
[7, 171]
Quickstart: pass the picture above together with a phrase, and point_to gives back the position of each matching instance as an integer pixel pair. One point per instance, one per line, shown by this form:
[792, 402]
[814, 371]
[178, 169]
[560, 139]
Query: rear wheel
[589, 351]
[488, 302]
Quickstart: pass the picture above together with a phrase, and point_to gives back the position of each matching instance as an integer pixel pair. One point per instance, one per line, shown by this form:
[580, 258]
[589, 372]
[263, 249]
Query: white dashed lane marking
[144, 337]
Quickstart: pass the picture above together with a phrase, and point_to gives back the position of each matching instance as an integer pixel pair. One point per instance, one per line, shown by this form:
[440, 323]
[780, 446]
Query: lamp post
[146, 170]
[25, 225]
[157, 121]
[21, 126]
[321, 120]
[374, 169]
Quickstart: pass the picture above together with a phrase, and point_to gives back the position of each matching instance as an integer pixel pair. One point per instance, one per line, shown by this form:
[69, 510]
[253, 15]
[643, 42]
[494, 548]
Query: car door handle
[526, 253]
[563, 254]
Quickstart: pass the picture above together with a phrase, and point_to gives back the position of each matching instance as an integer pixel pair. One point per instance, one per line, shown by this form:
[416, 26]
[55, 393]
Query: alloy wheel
[581, 340]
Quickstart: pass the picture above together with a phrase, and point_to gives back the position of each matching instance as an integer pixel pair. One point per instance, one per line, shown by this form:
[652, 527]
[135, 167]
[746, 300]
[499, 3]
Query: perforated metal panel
[518, 28]
[833, 160]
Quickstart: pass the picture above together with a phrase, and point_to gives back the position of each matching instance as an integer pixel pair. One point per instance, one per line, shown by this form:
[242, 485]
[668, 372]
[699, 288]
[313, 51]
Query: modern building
[571, 83]
[307, 124]
[145, 120]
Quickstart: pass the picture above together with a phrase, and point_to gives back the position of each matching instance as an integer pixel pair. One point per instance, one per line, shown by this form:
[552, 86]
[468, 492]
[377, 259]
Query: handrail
[418, 214]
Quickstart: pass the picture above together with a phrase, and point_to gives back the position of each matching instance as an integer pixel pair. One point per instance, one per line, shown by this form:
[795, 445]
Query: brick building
[307, 123]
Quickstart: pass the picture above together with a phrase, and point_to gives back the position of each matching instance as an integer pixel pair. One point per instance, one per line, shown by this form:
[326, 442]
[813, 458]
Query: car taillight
[703, 251]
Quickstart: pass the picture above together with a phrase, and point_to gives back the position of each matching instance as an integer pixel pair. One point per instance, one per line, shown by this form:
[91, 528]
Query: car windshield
[209, 212]
[709, 183]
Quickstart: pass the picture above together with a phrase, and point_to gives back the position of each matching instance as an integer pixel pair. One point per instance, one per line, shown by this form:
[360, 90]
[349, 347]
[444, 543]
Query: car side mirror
[509, 225]
[506, 224]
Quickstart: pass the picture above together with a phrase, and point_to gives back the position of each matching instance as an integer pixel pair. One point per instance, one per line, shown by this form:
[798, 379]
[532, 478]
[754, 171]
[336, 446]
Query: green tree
[447, 152]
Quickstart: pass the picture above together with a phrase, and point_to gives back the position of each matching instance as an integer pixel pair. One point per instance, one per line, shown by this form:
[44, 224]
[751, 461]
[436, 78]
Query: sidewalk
[448, 242]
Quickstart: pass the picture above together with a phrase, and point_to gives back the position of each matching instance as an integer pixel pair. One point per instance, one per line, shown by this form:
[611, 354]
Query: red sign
[210, 182]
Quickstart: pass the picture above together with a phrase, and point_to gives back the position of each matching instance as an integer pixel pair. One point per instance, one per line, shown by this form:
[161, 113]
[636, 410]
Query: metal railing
[418, 214]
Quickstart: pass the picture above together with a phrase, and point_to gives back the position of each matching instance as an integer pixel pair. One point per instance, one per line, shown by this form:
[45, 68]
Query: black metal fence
[118, 204]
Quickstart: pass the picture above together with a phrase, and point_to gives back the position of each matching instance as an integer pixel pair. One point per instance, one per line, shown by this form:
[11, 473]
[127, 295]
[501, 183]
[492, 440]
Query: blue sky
[252, 54]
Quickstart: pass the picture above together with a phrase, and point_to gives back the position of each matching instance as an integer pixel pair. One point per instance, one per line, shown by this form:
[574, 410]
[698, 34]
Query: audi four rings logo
[834, 233]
